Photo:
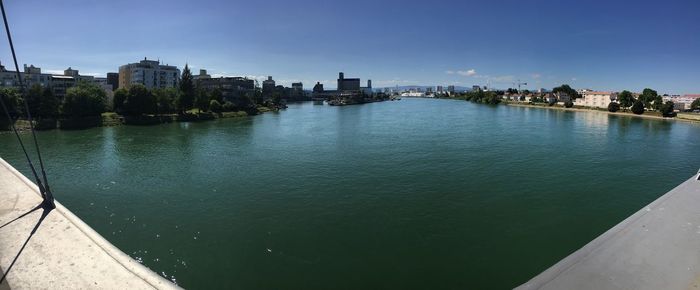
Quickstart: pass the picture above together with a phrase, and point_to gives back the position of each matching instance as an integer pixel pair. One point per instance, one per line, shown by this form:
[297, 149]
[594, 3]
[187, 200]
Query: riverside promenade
[658, 247]
[61, 251]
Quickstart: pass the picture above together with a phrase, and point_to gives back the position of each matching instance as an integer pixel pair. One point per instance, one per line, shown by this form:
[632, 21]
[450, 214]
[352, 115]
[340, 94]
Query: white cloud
[573, 79]
[536, 76]
[465, 73]
[469, 73]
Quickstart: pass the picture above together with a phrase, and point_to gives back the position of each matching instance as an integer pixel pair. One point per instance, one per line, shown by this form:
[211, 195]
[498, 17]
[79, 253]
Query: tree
[695, 104]
[277, 97]
[257, 97]
[84, 100]
[48, 107]
[568, 90]
[140, 101]
[33, 97]
[185, 99]
[626, 99]
[217, 95]
[41, 102]
[215, 106]
[165, 99]
[10, 98]
[120, 96]
[491, 98]
[648, 96]
[569, 104]
[613, 107]
[667, 109]
[638, 107]
[202, 100]
[658, 103]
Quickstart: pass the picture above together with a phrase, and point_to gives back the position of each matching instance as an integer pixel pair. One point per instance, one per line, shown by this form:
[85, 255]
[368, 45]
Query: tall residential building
[268, 86]
[440, 89]
[149, 73]
[451, 89]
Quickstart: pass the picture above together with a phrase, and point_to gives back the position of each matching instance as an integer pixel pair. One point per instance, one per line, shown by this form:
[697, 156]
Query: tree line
[138, 100]
[82, 100]
[87, 99]
[648, 99]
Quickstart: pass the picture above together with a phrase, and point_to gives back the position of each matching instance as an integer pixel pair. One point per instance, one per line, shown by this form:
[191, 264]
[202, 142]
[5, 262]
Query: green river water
[414, 194]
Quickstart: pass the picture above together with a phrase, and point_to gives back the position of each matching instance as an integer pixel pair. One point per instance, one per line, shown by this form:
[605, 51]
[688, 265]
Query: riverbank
[111, 119]
[687, 117]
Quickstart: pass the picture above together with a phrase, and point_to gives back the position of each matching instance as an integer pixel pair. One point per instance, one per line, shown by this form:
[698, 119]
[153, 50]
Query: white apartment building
[149, 73]
[683, 102]
[595, 99]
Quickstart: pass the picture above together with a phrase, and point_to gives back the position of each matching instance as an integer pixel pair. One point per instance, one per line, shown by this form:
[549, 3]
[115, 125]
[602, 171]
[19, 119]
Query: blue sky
[604, 45]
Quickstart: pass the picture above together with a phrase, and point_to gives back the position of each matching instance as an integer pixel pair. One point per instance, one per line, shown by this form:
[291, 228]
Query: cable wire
[45, 190]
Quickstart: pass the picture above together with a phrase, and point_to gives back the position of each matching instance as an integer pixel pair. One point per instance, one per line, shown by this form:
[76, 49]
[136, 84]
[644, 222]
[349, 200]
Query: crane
[519, 84]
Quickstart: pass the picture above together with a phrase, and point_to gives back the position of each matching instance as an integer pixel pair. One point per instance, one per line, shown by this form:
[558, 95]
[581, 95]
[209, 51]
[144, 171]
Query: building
[233, 89]
[268, 87]
[297, 92]
[451, 89]
[113, 80]
[202, 75]
[8, 79]
[440, 89]
[347, 87]
[69, 72]
[60, 84]
[681, 103]
[594, 99]
[563, 98]
[347, 84]
[149, 73]
[32, 75]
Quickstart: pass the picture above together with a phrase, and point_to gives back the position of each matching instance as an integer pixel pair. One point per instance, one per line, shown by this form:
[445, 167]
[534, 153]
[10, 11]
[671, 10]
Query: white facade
[149, 73]
[681, 102]
[596, 99]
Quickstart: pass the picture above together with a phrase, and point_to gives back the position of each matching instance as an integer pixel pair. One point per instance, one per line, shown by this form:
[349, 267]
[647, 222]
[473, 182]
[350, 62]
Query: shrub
[667, 109]
[229, 107]
[613, 107]
[215, 106]
[638, 107]
[569, 104]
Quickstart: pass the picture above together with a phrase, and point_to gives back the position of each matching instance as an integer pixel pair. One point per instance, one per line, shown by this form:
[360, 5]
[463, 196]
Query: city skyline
[600, 45]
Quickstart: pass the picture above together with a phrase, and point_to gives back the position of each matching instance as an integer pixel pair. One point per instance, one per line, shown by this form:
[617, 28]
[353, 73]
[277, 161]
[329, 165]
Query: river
[413, 194]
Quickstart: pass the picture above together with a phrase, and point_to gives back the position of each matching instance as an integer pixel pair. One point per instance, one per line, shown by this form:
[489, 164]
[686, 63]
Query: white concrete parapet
[64, 252]
[656, 248]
